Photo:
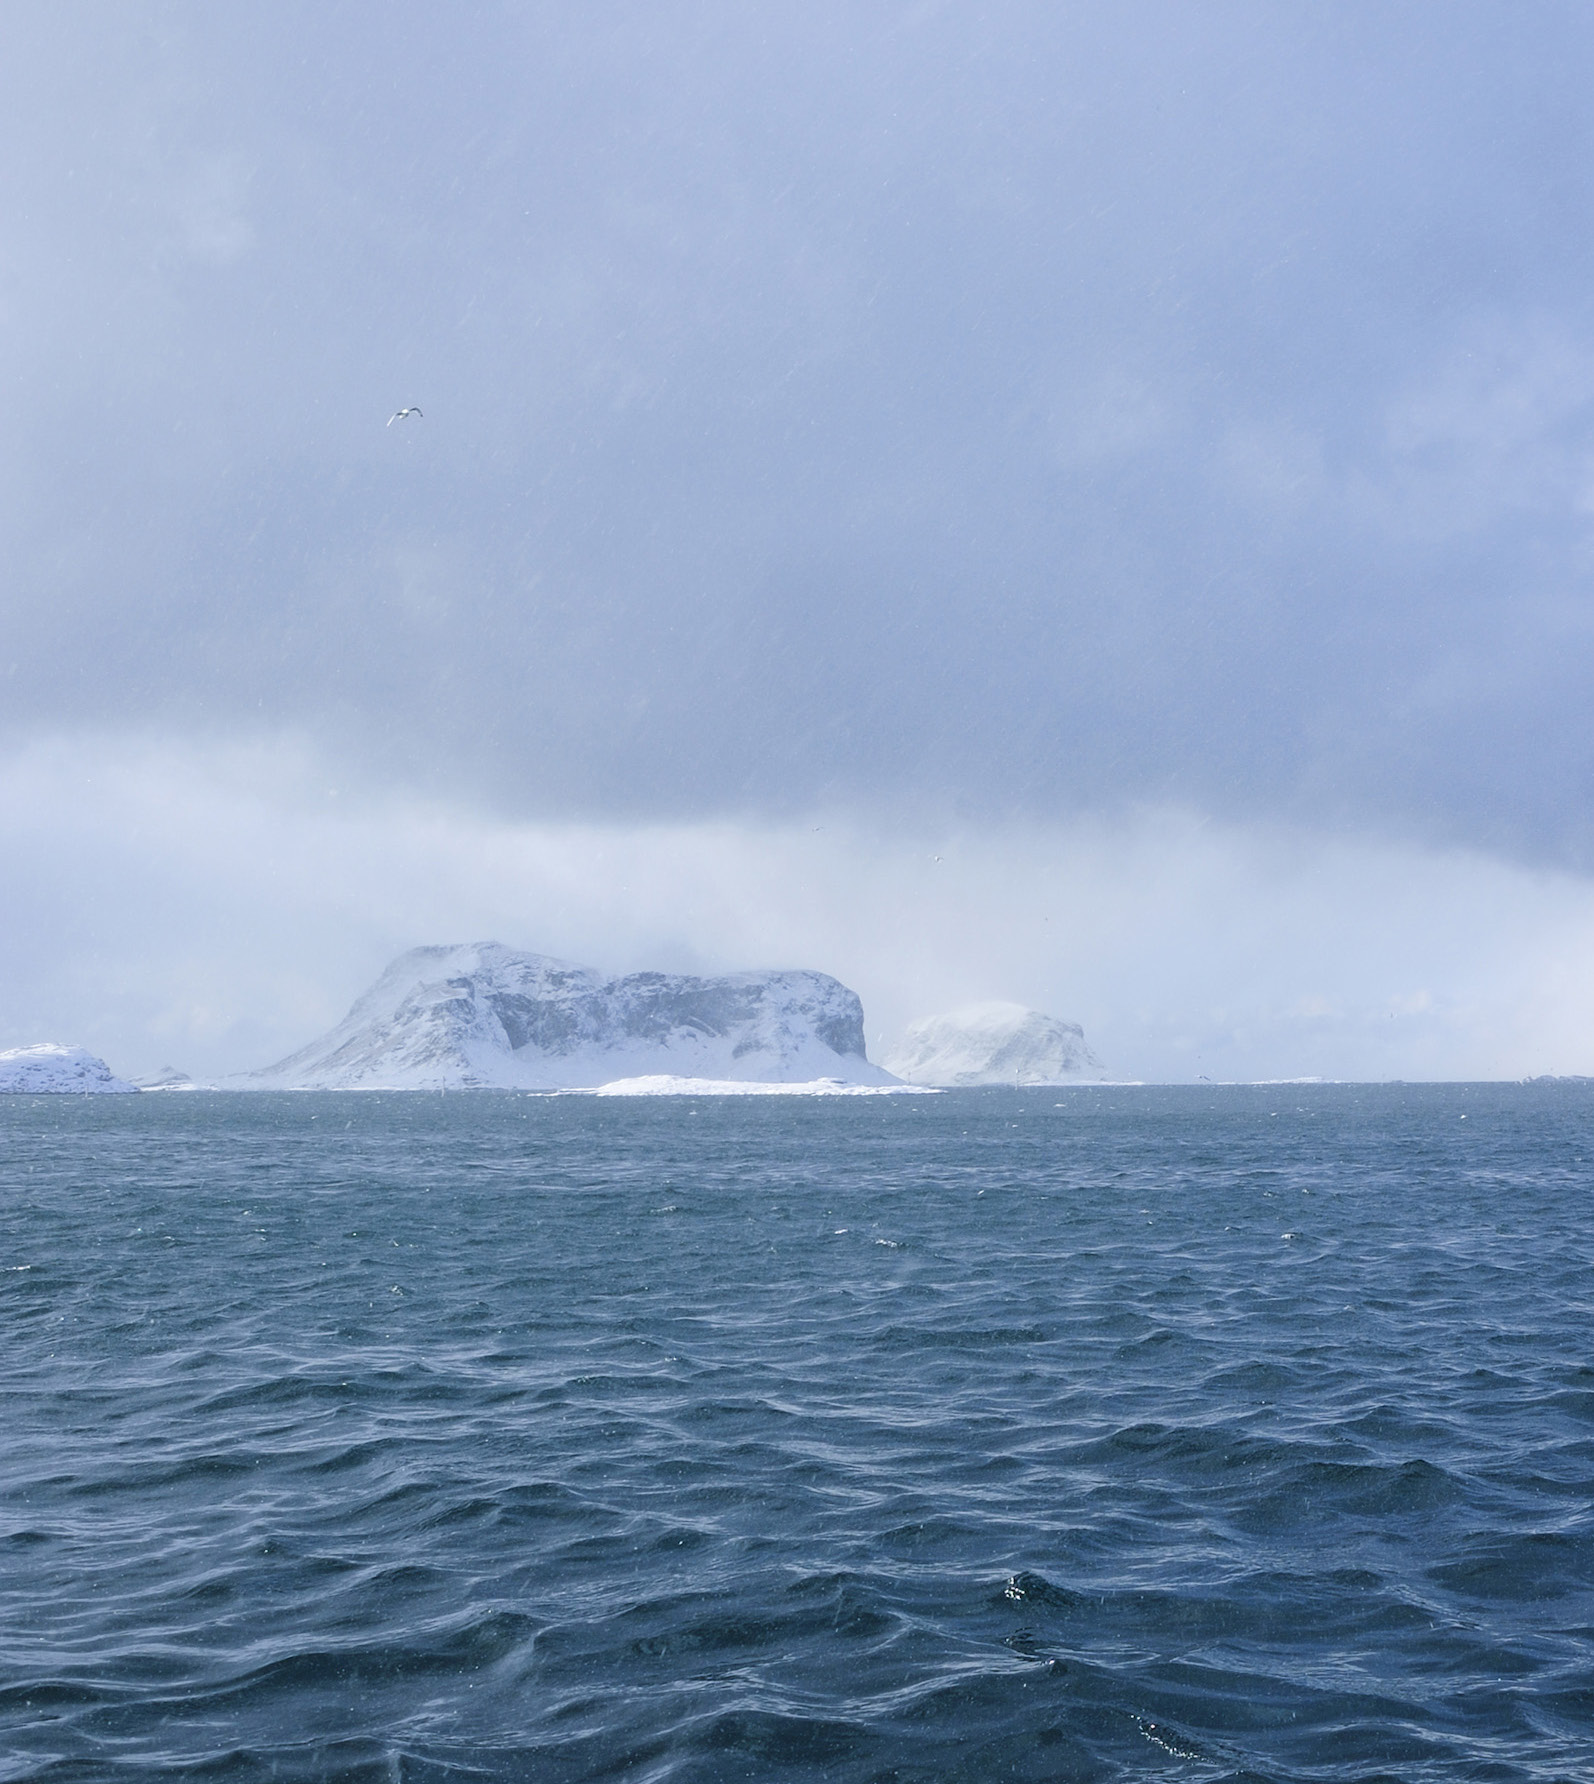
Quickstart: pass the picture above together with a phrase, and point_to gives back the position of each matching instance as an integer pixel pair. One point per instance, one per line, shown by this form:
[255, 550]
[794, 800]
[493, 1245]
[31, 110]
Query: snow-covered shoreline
[664, 1084]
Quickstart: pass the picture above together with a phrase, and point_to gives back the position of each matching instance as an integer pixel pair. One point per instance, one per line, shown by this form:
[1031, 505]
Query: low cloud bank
[214, 908]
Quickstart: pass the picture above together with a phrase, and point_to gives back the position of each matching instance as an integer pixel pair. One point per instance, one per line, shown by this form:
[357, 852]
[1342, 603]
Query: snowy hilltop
[51, 1070]
[485, 1017]
[991, 1043]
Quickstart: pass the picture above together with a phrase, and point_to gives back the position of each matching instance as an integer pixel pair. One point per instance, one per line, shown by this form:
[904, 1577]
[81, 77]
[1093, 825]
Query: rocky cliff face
[50, 1070]
[991, 1043]
[483, 1016]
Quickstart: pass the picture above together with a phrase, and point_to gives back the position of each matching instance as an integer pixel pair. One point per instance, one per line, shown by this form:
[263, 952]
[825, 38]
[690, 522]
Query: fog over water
[1141, 454]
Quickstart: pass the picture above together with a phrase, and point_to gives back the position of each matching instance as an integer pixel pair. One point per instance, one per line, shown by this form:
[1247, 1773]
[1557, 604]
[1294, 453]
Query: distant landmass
[991, 1043]
[169, 1077]
[483, 1016]
[51, 1070]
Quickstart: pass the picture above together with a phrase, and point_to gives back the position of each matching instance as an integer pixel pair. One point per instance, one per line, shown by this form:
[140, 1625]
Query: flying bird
[401, 414]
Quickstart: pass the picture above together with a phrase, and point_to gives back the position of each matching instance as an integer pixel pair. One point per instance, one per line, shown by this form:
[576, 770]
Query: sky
[1141, 454]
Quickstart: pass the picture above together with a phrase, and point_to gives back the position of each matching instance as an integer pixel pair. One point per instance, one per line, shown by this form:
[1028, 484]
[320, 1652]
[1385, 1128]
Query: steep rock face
[483, 1016]
[991, 1043]
[51, 1070]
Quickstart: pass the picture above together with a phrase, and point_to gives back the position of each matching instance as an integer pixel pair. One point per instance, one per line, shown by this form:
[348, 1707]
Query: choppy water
[1169, 1434]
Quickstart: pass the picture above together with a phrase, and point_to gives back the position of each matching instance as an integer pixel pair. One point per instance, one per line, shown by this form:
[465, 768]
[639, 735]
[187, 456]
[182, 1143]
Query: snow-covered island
[51, 1070]
[483, 1016]
[991, 1043]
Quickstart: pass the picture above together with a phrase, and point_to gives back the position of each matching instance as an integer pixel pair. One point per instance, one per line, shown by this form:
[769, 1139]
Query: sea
[1238, 1433]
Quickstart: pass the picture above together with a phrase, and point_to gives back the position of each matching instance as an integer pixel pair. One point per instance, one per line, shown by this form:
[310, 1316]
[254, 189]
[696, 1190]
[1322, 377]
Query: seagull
[401, 414]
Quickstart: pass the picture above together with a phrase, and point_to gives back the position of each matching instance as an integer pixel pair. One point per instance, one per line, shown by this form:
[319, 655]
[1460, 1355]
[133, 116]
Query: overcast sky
[1009, 419]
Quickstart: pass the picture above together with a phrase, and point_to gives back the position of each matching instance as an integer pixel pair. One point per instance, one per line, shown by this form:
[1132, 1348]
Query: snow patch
[658, 1084]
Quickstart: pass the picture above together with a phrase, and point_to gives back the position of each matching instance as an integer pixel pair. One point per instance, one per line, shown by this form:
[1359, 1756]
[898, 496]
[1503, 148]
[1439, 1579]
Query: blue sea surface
[1233, 1433]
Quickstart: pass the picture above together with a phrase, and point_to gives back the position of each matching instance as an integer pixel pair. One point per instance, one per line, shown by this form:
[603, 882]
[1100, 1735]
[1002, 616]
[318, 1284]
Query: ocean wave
[421, 1448]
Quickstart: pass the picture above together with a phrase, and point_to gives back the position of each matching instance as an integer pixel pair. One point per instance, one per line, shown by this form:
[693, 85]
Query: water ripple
[1199, 1435]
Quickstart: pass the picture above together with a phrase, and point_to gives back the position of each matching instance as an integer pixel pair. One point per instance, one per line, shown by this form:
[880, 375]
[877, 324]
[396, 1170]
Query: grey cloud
[1021, 409]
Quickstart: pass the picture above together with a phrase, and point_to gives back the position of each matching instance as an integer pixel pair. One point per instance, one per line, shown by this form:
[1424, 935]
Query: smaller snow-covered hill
[51, 1070]
[167, 1078]
[991, 1043]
